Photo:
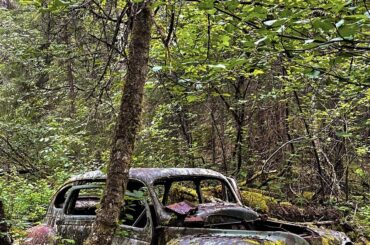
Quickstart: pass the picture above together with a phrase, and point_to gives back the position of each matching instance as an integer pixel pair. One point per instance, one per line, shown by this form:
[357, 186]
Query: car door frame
[125, 234]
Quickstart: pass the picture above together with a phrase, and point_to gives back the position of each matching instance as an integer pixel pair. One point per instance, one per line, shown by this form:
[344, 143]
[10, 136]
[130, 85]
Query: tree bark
[46, 32]
[7, 4]
[4, 239]
[314, 147]
[70, 78]
[127, 126]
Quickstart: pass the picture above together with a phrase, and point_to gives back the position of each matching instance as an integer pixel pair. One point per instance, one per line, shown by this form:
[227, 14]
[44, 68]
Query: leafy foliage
[26, 201]
[275, 93]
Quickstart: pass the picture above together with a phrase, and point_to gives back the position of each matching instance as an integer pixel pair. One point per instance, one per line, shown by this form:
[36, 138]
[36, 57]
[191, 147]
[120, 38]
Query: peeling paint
[149, 175]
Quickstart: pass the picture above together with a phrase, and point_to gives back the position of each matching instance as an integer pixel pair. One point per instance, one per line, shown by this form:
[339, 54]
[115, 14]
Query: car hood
[212, 213]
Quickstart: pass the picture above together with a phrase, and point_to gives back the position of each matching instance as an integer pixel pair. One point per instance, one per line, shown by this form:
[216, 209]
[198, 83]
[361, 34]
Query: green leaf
[349, 30]
[362, 151]
[360, 172]
[129, 216]
[156, 68]
[225, 40]
[339, 23]
[344, 134]
[206, 4]
[325, 25]
[192, 98]
[336, 39]
[58, 5]
[259, 41]
[269, 22]
[68, 241]
[367, 14]
[309, 41]
[218, 66]
[281, 29]
[149, 85]
[257, 72]
[302, 21]
[314, 74]
[231, 5]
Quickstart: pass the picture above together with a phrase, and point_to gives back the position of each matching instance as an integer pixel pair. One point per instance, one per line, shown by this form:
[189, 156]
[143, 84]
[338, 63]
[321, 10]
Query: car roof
[150, 175]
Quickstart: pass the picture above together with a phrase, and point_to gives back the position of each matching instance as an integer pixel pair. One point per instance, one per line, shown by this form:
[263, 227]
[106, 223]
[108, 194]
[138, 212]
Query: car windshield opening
[194, 191]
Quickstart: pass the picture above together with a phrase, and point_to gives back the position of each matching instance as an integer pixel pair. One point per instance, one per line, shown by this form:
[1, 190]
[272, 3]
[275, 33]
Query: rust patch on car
[193, 219]
[182, 208]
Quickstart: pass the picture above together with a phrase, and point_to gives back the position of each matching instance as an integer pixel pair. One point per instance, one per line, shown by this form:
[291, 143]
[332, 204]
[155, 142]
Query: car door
[55, 210]
[136, 226]
[79, 214]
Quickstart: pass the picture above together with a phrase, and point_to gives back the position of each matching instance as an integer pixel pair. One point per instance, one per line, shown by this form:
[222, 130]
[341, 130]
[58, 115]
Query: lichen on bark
[126, 128]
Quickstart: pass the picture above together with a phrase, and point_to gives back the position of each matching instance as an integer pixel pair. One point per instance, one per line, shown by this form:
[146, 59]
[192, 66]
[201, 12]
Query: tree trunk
[72, 90]
[7, 4]
[314, 147]
[126, 129]
[46, 29]
[220, 137]
[4, 239]
[238, 146]
[70, 78]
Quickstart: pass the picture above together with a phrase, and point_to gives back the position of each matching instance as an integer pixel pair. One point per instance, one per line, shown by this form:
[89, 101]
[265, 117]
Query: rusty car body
[171, 206]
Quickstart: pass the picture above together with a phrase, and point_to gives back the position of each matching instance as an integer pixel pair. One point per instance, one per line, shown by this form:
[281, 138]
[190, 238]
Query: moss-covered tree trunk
[126, 128]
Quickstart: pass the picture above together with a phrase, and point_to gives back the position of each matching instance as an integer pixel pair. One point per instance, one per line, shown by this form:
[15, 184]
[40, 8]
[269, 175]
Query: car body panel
[179, 235]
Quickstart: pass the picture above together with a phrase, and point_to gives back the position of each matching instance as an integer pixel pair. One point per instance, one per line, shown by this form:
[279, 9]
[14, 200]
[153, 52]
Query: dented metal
[183, 222]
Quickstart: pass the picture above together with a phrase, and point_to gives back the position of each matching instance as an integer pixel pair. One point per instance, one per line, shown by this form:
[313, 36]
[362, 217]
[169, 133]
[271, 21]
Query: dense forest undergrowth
[273, 93]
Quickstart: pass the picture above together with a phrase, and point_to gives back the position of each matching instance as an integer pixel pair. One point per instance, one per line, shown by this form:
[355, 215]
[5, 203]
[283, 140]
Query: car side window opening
[134, 212]
[195, 191]
[84, 200]
[61, 197]
[214, 190]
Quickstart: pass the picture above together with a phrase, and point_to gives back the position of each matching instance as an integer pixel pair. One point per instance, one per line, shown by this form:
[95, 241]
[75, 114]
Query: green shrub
[26, 201]
[364, 219]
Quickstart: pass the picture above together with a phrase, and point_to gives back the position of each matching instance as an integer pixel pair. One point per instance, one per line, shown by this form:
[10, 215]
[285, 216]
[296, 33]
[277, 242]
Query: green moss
[285, 204]
[257, 200]
[328, 240]
[308, 195]
[179, 193]
[250, 241]
[274, 243]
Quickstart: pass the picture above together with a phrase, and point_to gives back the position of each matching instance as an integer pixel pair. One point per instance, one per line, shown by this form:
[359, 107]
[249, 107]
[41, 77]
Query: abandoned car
[171, 206]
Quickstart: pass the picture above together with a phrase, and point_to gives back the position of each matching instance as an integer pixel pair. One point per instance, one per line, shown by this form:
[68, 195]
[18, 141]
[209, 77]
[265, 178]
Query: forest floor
[343, 217]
